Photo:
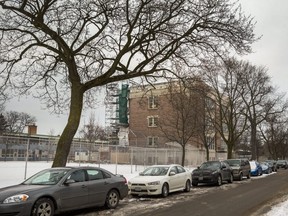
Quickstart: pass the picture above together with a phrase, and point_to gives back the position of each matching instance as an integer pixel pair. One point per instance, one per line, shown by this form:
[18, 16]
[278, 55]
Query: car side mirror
[69, 181]
[172, 173]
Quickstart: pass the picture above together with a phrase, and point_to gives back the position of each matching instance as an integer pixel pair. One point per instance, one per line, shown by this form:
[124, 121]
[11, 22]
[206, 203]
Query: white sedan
[160, 180]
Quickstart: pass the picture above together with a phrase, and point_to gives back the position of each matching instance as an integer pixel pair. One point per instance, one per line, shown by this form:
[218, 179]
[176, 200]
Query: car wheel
[194, 183]
[240, 177]
[165, 190]
[187, 186]
[43, 207]
[231, 178]
[249, 175]
[112, 199]
[219, 180]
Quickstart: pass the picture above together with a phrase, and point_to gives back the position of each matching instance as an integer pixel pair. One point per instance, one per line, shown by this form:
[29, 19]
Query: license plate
[200, 178]
[137, 189]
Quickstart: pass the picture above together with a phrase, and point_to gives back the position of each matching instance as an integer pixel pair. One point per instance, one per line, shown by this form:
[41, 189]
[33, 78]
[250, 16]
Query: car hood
[204, 171]
[146, 179]
[20, 189]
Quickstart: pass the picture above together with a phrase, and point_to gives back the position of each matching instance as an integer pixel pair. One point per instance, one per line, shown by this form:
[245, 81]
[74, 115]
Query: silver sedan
[61, 189]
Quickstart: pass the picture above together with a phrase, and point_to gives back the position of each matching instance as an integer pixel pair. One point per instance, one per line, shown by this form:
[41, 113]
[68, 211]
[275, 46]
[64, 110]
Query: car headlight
[214, 172]
[154, 183]
[16, 198]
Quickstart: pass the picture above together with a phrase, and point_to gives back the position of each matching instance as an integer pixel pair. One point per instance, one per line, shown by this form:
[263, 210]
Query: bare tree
[179, 123]
[275, 134]
[260, 98]
[17, 121]
[62, 49]
[3, 124]
[226, 91]
[93, 131]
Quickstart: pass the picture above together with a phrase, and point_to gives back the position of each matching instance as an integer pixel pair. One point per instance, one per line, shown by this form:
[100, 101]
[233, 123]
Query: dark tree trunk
[253, 142]
[183, 155]
[66, 138]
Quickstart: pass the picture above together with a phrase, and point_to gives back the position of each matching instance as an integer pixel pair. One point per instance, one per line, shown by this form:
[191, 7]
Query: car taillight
[125, 180]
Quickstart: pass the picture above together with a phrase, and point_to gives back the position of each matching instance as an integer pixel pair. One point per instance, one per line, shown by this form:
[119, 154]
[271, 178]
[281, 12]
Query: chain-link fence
[43, 149]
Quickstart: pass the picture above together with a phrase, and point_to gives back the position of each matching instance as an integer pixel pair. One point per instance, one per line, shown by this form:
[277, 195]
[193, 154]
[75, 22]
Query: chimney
[32, 129]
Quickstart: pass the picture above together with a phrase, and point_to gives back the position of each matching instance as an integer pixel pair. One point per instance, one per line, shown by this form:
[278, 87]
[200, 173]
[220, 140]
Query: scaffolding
[111, 114]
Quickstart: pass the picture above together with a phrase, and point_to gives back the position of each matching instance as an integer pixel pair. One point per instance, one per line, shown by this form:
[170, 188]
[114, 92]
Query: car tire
[112, 199]
[43, 207]
[241, 177]
[187, 186]
[249, 175]
[165, 190]
[230, 180]
[219, 180]
[194, 183]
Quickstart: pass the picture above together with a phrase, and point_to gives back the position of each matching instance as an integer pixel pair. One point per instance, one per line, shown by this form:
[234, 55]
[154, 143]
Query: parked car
[62, 189]
[212, 172]
[241, 167]
[266, 167]
[256, 169]
[282, 164]
[273, 164]
[160, 180]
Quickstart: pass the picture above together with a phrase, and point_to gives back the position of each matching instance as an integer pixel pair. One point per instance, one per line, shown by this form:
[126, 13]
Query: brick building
[147, 106]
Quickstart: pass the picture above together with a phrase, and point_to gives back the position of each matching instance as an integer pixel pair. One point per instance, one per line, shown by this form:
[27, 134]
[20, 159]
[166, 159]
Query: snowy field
[14, 172]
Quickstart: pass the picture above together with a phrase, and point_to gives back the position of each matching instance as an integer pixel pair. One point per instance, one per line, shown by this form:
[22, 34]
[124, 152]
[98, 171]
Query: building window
[152, 141]
[152, 121]
[153, 102]
[211, 142]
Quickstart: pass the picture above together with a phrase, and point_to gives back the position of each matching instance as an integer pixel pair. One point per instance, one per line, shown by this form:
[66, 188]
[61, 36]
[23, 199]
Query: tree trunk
[66, 138]
[230, 150]
[183, 155]
[207, 152]
[253, 142]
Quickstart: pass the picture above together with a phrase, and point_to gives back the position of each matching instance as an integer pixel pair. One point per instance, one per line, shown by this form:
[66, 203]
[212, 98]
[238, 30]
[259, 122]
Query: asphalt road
[250, 197]
[253, 198]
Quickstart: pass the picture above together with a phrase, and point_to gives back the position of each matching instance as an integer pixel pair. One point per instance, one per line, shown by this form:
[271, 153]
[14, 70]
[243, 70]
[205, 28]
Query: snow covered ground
[14, 173]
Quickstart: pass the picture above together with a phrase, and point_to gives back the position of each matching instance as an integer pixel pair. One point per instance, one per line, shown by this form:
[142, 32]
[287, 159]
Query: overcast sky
[271, 51]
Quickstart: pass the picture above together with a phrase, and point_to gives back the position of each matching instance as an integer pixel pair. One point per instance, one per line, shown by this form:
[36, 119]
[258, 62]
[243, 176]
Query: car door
[99, 185]
[173, 179]
[75, 192]
[225, 171]
[181, 176]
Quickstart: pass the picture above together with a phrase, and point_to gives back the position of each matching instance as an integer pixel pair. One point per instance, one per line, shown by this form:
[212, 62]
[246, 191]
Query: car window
[223, 164]
[106, 175]
[77, 176]
[233, 162]
[180, 169]
[174, 169]
[95, 174]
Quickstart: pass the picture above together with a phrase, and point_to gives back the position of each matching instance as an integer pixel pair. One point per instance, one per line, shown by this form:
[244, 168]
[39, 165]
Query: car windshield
[210, 165]
[155, 171]
[46, 177]
[233, 162]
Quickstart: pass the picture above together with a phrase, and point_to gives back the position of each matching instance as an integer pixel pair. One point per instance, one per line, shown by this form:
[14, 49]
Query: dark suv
[240, 167]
